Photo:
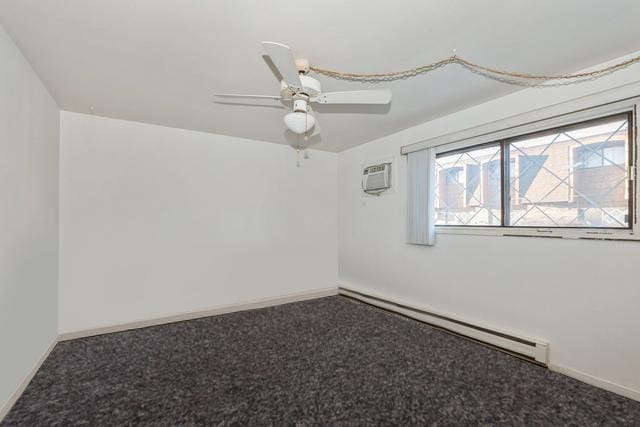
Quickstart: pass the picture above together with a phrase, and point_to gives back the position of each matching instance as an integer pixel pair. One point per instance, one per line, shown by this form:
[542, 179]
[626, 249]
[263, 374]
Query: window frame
[563, 122]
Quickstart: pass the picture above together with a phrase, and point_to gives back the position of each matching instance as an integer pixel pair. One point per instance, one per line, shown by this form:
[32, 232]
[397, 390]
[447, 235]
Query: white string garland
[516, 78]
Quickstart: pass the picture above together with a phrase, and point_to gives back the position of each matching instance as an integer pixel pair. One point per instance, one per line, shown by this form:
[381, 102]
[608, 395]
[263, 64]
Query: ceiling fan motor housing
[300, 105]
[310, 87]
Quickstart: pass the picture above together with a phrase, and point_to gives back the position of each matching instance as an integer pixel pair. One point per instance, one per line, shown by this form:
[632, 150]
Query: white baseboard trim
[561, 369]
[261, 303]
[597, 382]
[6, 406]
[530, 348]
[225, 309]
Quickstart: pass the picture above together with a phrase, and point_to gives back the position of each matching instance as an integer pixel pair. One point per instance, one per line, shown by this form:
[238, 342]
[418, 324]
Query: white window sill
[565, 233]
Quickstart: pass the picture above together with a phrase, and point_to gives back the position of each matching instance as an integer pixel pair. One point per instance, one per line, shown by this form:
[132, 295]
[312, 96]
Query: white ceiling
[160, 61]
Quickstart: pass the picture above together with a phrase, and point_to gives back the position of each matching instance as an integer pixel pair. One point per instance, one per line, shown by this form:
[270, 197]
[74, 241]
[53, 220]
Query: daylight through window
[573, 176]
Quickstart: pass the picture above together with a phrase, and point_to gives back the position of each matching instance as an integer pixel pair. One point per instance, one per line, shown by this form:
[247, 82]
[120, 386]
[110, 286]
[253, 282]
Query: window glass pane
[614, 153]
[468, 187]
[573, 178]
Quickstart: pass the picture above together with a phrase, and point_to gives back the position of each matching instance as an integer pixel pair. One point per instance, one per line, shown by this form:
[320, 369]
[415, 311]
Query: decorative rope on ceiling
[515, 78]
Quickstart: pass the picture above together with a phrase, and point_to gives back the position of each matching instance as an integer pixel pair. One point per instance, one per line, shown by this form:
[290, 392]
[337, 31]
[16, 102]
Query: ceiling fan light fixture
[297, 86]
[299, 122]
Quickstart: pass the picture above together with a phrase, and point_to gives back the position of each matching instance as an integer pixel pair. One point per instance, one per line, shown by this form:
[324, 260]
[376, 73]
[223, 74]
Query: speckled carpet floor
[328, 361]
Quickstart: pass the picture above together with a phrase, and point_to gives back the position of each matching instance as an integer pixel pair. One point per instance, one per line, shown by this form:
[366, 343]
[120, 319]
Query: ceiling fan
[302, 89]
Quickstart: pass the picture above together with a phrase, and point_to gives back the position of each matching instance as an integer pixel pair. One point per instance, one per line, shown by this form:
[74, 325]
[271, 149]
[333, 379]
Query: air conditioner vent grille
[376, 178]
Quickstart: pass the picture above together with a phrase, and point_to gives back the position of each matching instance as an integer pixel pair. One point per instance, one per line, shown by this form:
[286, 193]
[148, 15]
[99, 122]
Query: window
[574, 176]
[597, 155]
[452, 175]
[468, 187]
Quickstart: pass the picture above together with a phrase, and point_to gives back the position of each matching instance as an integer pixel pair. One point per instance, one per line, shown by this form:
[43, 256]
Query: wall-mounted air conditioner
[376, 178]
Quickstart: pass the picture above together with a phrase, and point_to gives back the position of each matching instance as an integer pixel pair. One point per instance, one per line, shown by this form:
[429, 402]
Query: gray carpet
[329, 361]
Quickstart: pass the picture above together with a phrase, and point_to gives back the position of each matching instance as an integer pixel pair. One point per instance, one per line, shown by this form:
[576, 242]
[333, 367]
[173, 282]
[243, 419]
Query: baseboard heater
[530, 349]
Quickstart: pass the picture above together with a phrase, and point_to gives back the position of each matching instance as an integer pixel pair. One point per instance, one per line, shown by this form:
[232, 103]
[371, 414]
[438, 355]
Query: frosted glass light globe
[299, 122]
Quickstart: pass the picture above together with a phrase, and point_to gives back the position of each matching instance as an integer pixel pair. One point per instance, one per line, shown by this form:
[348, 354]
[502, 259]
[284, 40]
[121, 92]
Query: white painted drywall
[156, 221]
[29, 135]
[583, 297]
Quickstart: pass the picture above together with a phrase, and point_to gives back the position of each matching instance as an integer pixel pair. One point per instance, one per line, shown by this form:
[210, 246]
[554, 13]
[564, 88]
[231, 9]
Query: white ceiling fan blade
[284, 61]
[382, 96]
[240, 95]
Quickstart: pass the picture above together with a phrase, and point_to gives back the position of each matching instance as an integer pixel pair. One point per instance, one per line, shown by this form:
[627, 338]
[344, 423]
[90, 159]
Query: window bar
[505, 191]
[632, 135]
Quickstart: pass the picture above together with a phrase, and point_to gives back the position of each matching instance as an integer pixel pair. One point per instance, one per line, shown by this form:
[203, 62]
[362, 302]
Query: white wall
[29, 134]
[583, 297]
[155, 221]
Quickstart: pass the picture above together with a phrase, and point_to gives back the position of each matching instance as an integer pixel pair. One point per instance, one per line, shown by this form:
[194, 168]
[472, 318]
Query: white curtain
[421, 178]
